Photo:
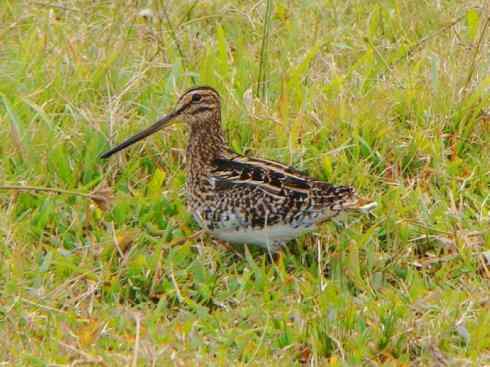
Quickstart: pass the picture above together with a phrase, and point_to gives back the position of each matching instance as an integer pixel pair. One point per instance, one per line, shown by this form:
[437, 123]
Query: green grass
[390, 96]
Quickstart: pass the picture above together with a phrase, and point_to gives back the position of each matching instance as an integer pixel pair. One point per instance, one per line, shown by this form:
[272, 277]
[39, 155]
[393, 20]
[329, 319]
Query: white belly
[233, 229]
[269, 237]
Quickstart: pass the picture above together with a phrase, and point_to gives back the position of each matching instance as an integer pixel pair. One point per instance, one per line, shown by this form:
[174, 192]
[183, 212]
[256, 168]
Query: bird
[240, 199]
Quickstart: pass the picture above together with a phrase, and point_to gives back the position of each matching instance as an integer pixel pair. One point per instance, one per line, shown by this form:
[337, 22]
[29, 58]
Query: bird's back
[256, 201]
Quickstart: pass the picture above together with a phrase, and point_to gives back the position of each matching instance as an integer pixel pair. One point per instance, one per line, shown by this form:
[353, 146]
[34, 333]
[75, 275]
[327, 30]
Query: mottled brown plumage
[241, 199]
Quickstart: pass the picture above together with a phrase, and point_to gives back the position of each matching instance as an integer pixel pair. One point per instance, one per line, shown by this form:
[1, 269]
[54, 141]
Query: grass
[391, 97]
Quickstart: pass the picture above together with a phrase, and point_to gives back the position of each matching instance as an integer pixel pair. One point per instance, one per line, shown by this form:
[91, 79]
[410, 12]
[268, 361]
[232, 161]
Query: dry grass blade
[86, 357]
[55, 6]
[14, 127]
[173, 34]
[137, 318]
[476, 51]
[102, 196]
[264, 52]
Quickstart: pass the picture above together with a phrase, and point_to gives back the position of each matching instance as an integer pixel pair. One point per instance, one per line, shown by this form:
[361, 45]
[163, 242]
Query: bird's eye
[196, 97]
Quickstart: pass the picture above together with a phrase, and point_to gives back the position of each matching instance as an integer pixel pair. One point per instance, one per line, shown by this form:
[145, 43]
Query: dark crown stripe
[203, 87]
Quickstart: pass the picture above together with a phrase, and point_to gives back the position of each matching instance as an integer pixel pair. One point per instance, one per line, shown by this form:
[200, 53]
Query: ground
[107, 267]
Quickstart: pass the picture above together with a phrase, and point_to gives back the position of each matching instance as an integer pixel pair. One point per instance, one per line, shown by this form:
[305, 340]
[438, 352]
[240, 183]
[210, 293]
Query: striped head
[199, 107]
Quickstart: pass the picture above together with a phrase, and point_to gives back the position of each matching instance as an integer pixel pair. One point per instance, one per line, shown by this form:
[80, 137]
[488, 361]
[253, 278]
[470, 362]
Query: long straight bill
[164, 121]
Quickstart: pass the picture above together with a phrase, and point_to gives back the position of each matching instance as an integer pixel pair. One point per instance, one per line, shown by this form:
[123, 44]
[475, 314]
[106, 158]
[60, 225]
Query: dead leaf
[88, 333]
[102, 196]
[304, 354]
[125, 238]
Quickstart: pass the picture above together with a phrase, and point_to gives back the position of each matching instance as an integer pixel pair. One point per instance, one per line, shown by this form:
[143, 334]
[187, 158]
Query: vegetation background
[103, 267]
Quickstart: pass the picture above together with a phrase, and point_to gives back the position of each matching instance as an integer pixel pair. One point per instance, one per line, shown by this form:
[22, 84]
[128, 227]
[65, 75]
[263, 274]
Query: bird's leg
[273, 250]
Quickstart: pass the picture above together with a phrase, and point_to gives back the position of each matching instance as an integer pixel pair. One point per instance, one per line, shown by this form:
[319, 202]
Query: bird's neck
[206, 143]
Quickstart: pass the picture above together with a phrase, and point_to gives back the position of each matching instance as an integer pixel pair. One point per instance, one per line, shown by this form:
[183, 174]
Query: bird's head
[198, 107]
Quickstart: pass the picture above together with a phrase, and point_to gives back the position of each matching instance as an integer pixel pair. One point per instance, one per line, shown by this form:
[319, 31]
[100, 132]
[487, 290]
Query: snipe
[240, 199]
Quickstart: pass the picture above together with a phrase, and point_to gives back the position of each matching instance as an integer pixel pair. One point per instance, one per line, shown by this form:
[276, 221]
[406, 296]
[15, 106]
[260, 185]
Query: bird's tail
[351, 201]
